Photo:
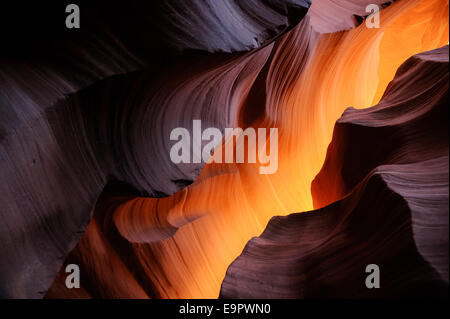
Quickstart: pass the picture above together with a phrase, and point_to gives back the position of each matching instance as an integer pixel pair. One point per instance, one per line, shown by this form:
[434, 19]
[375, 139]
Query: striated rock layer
[419, 118]
[300, 84]
[83, 107]
[88, 112]
[324, 253]
[387, 175]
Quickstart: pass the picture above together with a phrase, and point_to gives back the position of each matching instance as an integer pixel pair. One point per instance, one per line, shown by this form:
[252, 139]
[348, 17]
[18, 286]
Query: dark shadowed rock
[385, 184]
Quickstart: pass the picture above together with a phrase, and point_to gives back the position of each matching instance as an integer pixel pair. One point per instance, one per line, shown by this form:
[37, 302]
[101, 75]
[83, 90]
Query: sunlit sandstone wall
[308, 79]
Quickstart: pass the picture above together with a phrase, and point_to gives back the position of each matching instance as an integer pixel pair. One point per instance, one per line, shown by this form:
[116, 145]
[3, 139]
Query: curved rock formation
[84, 110]
[324, 253]
[75, 114]
[328, 16]
[379, 133]
[292, 91]
[395, 216]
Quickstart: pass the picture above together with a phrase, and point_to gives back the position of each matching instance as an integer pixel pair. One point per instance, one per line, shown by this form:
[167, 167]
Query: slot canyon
[362, 176]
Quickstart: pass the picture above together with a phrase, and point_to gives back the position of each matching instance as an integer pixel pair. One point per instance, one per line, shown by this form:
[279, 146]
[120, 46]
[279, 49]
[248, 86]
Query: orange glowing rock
[180, 246]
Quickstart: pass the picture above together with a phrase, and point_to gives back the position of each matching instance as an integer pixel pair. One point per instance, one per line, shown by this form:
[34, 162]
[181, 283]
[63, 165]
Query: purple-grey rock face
[385, 187]
[83, 107]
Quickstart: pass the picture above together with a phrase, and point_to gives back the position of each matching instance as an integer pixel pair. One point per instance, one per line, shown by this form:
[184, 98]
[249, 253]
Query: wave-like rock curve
[395, 216]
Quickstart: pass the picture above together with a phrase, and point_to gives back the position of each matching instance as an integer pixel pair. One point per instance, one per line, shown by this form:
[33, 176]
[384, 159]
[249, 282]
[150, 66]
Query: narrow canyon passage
[181, 246]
